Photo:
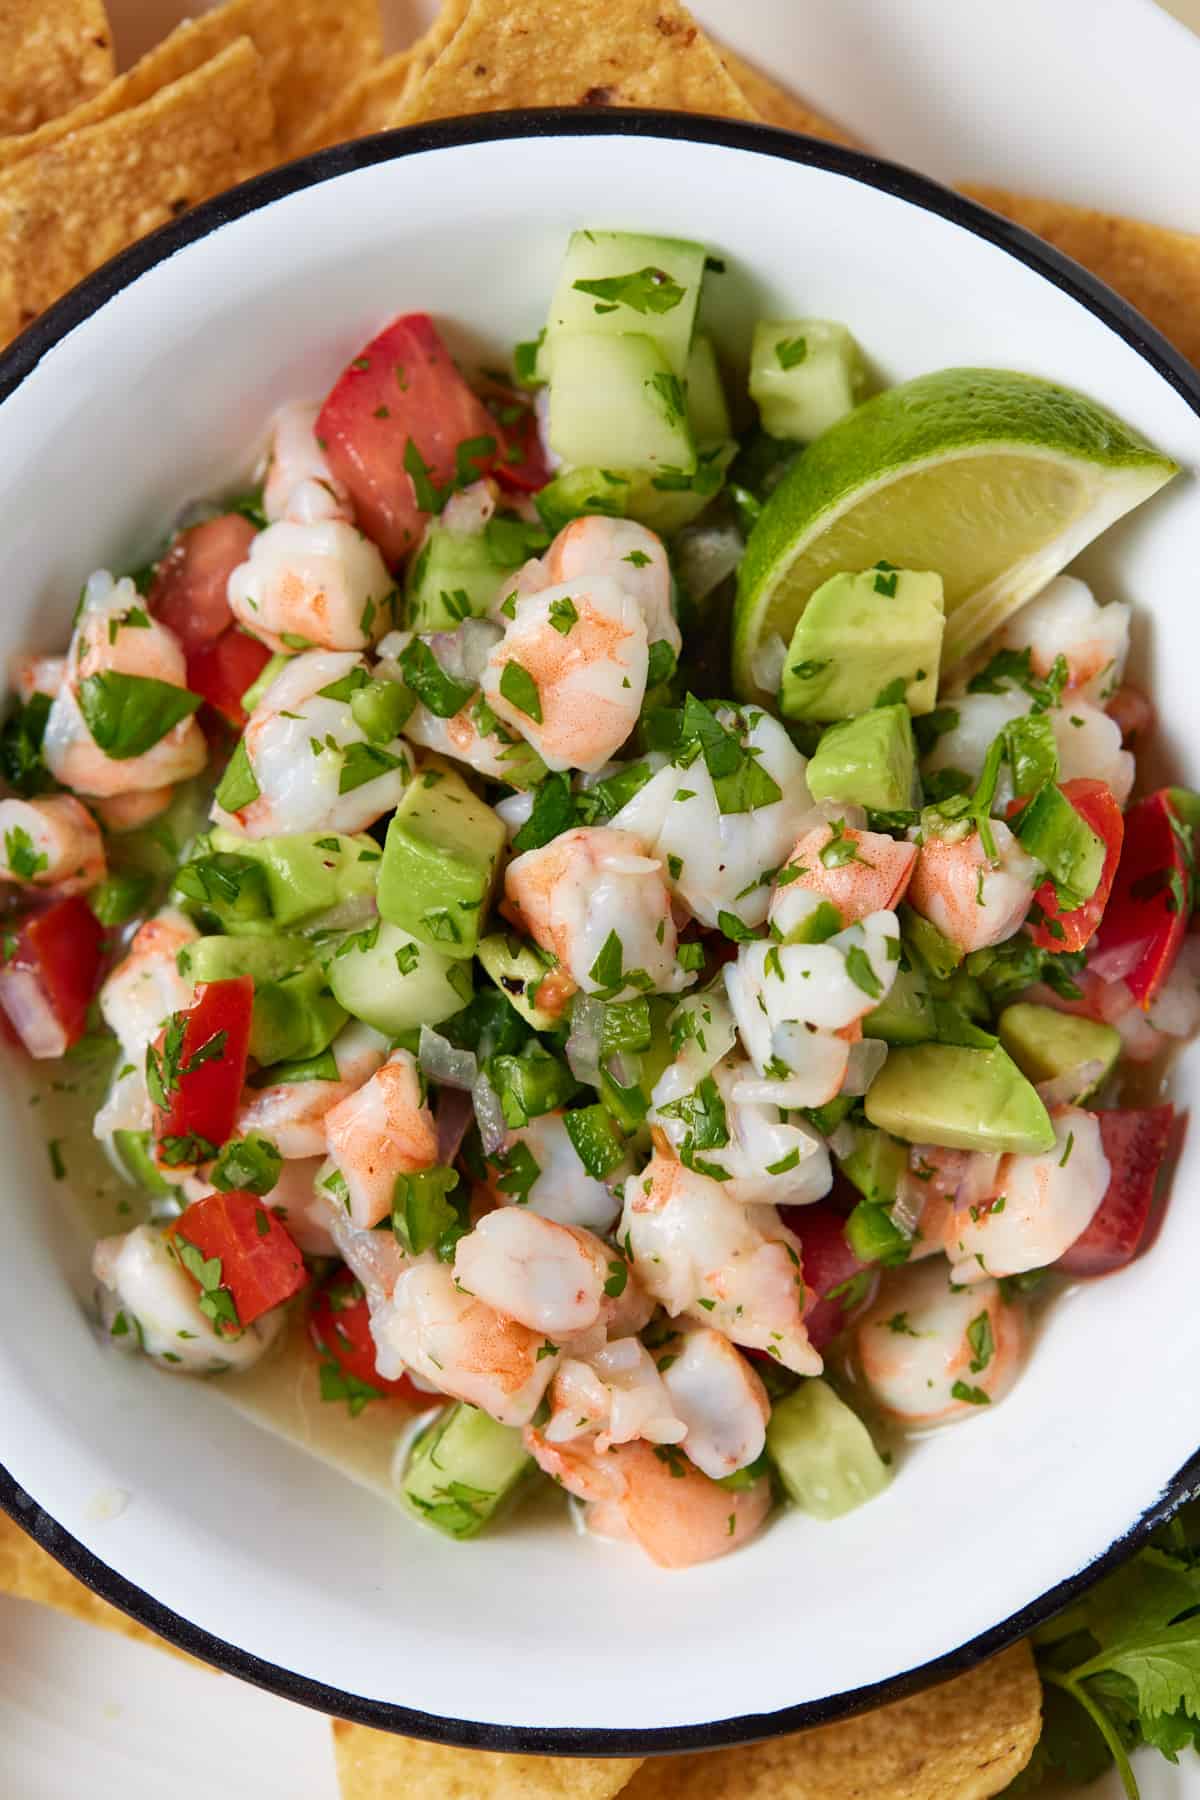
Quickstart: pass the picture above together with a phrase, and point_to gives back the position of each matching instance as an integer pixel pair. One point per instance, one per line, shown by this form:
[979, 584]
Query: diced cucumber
[905, 1014]
[308, 872]
[616, 403]
[576, 492]
[823, 1452]
[389, 980]
[616, 282]
[454, 576]
[439, 863]
[462, 1469]
[708, 412]
[805, 375]
[670, 500]
[517, 969]
[225, 958]
[874, 1236]
[295, 1018]
[875, 1165]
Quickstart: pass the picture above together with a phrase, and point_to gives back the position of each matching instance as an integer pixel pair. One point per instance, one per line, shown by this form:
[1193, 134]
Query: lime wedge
[993, 479]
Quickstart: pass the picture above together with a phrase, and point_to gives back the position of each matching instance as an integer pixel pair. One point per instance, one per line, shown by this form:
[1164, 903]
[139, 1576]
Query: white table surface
[1089, 100]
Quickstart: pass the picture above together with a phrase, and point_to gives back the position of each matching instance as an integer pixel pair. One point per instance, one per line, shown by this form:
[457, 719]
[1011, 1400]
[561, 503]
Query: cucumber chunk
[454, 576]
[615, 282]
[805, 375]
[823, 1452]
[387, 979]
[616, 403]
[462, 1470]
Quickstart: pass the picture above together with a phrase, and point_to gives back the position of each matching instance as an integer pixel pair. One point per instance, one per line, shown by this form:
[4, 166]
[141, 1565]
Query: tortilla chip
[68, 209]
[53, 54]
[28, 1572]
[1155, 269]
[777, 107]
[962, 1741]
[366, 105]
[514, 53]
[374, 1765]
[312, 50]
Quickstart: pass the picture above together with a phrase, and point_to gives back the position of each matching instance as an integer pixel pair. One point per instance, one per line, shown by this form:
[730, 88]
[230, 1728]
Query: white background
[1088, 100]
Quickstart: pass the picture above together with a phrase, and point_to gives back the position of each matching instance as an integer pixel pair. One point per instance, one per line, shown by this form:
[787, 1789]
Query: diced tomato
[339, 1325]
[50, 975]
[1146, 918]
[1094, 803]
[1132, 711]
[260, 1264]
[188, 594]
[223, 670]
[1135, 1142]
[402, 397]
[839, 1286]
[522, 466]
[197, 1070]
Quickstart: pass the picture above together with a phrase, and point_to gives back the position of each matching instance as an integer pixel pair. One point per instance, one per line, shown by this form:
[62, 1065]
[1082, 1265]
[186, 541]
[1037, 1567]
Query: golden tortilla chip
[28, 1572]
[777, 107]
[514, 53]
[53, 54]
[962, 1741]
[366, 106]
[374, 1765]
[1155, 269]
[68, 209]
[312, 50]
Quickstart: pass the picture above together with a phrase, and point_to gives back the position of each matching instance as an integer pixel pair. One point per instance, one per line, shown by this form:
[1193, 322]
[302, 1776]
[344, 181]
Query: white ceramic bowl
[143, 389]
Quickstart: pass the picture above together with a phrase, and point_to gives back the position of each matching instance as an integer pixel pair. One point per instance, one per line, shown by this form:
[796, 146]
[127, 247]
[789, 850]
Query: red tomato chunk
[339, 1325]
[50, 975]
[188, 593]
[196, 1069]
[838, 1284]
[260, 1266]
[1135, 1142]
[1146, 919]
[221, 672]
[1094, 803]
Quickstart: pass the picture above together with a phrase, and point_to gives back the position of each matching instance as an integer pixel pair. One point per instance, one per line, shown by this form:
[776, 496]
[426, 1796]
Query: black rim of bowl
[22, 358]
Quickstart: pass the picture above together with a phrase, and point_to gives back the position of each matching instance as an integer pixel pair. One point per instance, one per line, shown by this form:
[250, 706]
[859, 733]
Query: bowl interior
[160, 396]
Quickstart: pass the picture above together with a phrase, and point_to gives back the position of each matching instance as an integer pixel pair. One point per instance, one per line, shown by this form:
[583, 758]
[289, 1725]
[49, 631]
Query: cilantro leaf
[648, 290]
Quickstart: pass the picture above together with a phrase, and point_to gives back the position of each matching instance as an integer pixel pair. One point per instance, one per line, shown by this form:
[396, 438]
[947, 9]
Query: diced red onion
[1115, 964]
[908, 1205]
[489, 1115]
[586, 1034]
[842, 1141]
[766, 665]
[469, 511]
[443, 1061]
[863, 1064]
[463, 653]
[33, 1018]
[1065, 1089]
[979, 1179]
[453, 1113]
[350, 914]
[705, 555]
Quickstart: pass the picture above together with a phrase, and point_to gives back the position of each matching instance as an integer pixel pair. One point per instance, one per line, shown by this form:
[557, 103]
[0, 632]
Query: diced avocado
[264, 958]
[962, 1098]
[439, 863]
[805, 375]
[133, 1148]
[933, 950]
[869, 760]
[454, 576]
[296, 1018]
[1071, 853]
[619, 282]
[875, 1165]
[225, 891]
[462, 1469]
[669, 500]
[1045, 1043]
[823, 1452]
[309, 872]
[708, 412]
[573, 493]
[866, 639]
[384, 977]
[517, 969]
[905, 1014]
[616, 403]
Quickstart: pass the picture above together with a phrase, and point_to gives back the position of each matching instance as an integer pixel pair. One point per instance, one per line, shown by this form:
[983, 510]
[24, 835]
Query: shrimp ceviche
[676, 1079]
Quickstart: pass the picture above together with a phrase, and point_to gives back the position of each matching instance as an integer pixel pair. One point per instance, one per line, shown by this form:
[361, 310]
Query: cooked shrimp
[297, 1201]
[859, 872]
[464, 1347]
[767, 1157]
[971, 898]
[149, 1303]
[473, 736]
[931, 1351]
[146, 986]
[733, 1267]
[309, 757]
[317, 586]
[292, 1114]
[628, 553]
[127, 812]
[570, 672]
[115, 635]
[1089, 745]
[547, 1276]
[381, 1131]
[52, 842]
[299, 481]
[30, 674]
[656, 1497]
[1065, 620]
[1038, 1205]
[975, 721]
[720, 1399]
[723, 861]
[595, 900]
[561, 1188]
[613, 1396]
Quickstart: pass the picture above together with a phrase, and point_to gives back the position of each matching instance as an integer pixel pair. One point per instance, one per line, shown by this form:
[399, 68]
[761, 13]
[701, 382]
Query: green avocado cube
[905, 1014]
[308, 872]
[263, 958]
[805, 375]
[869, 760]
[866, 640]
[517, 968]
[823, 1452]
[876, 1165]
[439, 863]
[1045, 1043]
[294, 1018]
[962, 1098]
[1071, 853]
